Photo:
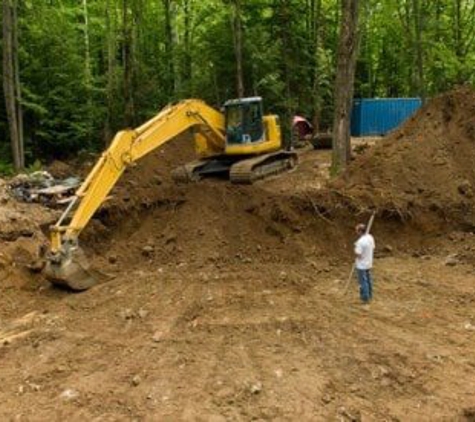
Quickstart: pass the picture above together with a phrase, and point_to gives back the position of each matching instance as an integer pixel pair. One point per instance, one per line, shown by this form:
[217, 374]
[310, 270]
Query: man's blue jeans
[366, 284]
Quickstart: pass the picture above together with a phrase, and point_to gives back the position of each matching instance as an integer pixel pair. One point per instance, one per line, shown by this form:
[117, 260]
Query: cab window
[254, 121]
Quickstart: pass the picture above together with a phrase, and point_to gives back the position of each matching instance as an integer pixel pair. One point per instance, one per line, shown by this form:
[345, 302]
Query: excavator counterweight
[241, 144]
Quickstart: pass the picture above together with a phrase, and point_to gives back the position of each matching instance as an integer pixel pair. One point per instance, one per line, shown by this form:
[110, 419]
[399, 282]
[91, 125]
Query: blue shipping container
[378, 116]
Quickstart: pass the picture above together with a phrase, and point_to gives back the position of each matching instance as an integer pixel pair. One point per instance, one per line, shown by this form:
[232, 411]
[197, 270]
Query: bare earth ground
[240, 344]
[199, 329]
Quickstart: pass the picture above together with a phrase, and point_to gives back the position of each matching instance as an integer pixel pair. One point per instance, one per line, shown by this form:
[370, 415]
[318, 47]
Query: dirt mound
[212, 223]
[21, 235]
[426, 164]
[149, 181]
[60, 169]
[220, 224]
[152, 219]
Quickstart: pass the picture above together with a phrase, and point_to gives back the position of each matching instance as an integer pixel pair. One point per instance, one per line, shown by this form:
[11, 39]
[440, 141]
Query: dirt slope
[426, 164]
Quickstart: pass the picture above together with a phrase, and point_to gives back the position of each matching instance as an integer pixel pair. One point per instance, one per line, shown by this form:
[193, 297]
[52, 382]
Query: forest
[79, 70]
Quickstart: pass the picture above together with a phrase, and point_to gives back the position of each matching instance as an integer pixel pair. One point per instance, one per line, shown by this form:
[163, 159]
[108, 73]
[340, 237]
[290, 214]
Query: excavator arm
[66, 264]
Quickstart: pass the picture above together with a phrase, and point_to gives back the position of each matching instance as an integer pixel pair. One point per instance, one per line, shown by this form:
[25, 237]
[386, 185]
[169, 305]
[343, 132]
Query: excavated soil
[426, 165]
[221, 302]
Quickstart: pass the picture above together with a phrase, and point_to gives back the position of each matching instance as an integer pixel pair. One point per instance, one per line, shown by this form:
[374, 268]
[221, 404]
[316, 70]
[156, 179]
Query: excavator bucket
[72, 271]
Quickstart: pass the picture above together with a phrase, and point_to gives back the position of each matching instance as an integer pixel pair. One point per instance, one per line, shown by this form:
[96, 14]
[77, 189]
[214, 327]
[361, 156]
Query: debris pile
[42, 187]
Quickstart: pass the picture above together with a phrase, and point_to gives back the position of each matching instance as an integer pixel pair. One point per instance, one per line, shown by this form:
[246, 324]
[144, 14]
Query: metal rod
[67, 211]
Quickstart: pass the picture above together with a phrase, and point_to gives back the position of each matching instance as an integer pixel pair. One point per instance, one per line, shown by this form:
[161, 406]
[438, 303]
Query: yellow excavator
[242, 144]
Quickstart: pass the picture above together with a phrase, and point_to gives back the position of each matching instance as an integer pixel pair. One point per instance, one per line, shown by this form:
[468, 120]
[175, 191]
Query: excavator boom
[66, 264]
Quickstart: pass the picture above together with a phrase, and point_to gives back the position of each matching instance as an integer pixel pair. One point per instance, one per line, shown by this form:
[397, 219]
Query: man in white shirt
[364, 250]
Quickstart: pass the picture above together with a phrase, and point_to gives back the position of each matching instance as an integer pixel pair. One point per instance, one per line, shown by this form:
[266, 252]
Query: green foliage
[35, 166]
[6, 169]
[387, 66]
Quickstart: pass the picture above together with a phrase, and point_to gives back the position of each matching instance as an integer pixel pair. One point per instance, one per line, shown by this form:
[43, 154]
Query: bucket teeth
[70, 271]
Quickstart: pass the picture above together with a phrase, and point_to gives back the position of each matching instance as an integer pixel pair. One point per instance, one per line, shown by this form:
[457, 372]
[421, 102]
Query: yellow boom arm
[129, 146]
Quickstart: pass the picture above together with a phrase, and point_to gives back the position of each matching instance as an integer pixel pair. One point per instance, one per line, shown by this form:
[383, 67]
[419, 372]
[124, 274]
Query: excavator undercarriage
[239, 170]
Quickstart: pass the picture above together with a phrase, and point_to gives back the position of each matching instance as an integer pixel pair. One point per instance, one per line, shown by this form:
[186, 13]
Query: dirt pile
[216, 223]
[21, 234]
[426, 164]
[150, 218]
[210, 223]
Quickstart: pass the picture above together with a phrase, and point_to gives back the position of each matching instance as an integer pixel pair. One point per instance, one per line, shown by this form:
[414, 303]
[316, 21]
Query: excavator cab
[244, 121]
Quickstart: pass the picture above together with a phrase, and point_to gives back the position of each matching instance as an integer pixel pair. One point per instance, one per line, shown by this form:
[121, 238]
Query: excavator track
[257, 168]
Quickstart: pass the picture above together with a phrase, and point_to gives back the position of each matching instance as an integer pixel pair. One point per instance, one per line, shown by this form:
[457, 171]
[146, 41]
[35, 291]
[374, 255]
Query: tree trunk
[344, 84]
[127, 53]
[187, 65]
[88, 69]
[21, 140]
[87, 49]
[458, 24]
[458, 28]
[419, 49]
[111, 67]
[237, 32]
[10, 79]
[169, 47]
[316, 8]
[282, 8]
